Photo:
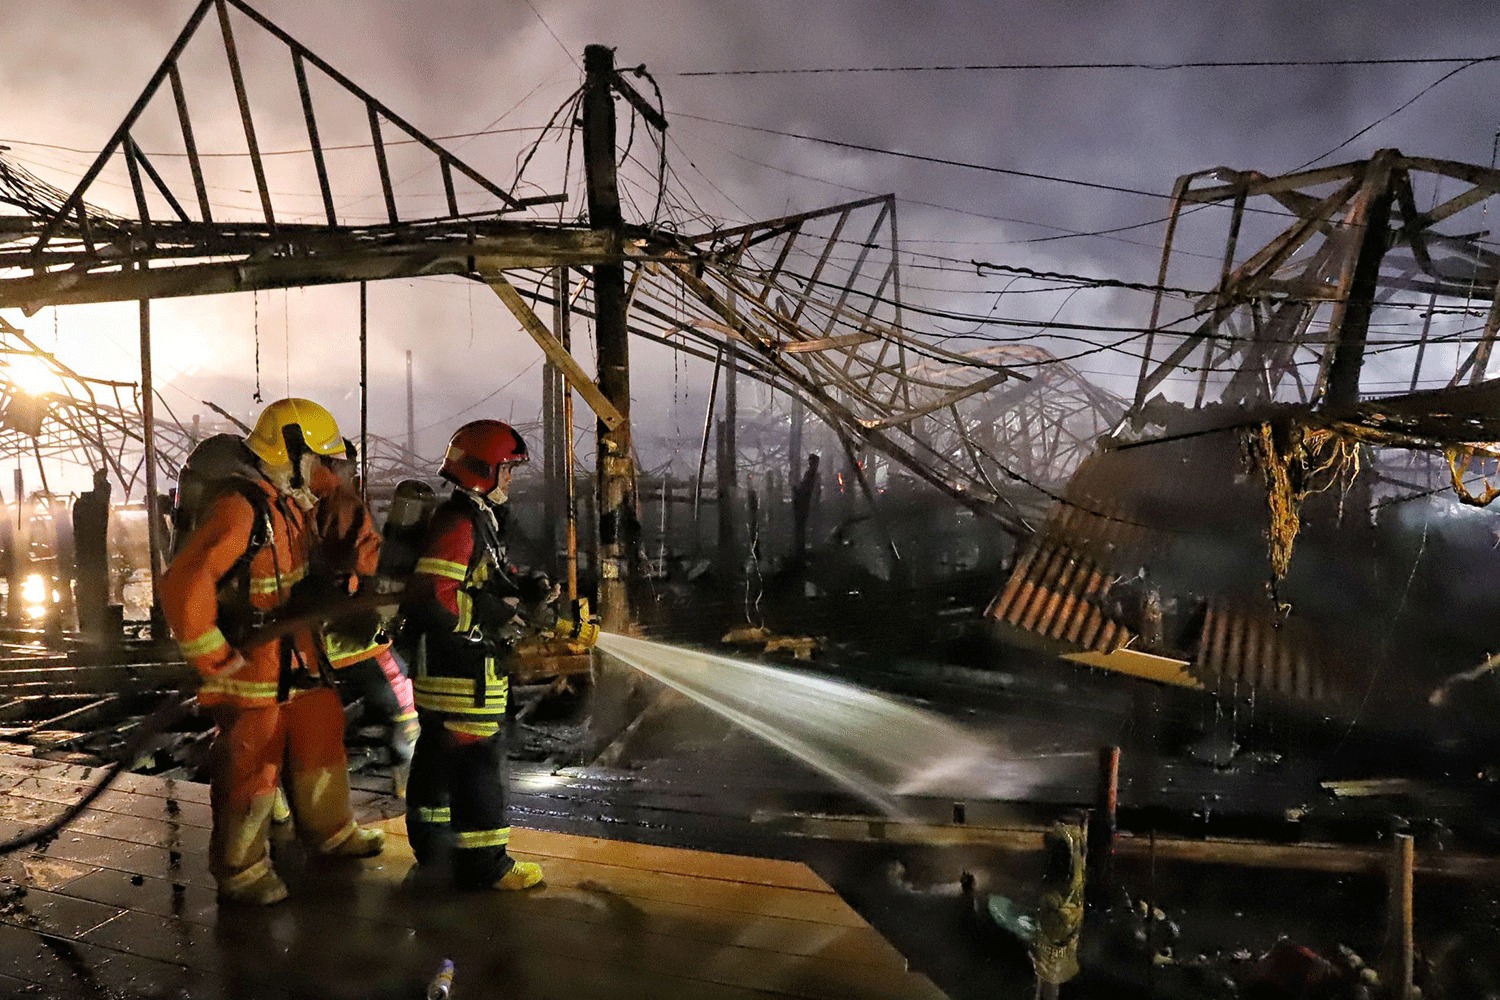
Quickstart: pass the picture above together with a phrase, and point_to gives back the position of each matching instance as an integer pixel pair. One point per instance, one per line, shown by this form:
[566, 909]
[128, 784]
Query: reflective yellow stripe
[460, 706]
[206, 643]
[238, 688]
[332, 843]
[440, 815]
[465, 611]
[461, 685]
[472, 728]
[405, 717]
[342, 652]
[276, 582]
[249, 876]
[442, 567]
[484, 838]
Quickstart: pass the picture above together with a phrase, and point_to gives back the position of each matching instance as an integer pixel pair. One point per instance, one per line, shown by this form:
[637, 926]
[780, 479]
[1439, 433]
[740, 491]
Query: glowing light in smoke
[34, 593]
[31, 375]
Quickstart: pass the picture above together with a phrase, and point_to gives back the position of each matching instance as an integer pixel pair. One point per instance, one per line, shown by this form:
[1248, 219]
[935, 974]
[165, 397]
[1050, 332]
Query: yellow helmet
[290, 420]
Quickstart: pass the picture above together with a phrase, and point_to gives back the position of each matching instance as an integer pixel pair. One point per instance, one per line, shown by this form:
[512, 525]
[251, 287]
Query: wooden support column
[562, 326]
[1400, 944]
[615, 483]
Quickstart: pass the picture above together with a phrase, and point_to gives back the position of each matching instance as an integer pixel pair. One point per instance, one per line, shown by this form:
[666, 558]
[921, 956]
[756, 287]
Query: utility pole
[615, 476]
[364, 392]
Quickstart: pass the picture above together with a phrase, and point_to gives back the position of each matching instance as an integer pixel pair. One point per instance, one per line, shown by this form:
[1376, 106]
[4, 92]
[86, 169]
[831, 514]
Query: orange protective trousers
[305, 737]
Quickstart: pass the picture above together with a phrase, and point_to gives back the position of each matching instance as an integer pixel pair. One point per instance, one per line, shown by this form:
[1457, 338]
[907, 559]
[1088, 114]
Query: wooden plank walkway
[121, 905]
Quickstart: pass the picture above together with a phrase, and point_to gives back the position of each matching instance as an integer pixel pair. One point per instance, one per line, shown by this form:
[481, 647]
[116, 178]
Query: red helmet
[477, 451]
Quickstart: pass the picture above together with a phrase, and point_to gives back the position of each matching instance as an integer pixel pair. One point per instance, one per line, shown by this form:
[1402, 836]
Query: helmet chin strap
[497, 496]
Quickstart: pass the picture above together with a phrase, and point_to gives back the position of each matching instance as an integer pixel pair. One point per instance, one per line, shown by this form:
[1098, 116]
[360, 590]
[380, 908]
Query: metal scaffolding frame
[1349, 258]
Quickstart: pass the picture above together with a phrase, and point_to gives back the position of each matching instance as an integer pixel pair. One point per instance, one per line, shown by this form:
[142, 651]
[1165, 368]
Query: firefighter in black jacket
[465, 610]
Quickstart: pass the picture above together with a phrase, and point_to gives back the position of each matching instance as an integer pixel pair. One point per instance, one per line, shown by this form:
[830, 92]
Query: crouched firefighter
[271, 700]
[463, 614]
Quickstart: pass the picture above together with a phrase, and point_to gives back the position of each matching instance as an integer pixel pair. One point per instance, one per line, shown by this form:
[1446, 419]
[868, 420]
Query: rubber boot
[266, 890]
[363, 842]
[522, 875]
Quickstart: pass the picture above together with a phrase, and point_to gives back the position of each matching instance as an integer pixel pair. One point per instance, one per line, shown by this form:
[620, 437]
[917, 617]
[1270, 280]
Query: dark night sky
[74, 66]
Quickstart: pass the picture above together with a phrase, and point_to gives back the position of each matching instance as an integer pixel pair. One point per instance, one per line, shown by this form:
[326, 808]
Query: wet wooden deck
[121, 905]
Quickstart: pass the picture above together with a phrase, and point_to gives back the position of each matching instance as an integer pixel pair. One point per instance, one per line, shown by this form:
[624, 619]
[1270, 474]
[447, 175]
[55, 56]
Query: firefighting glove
[491, 611]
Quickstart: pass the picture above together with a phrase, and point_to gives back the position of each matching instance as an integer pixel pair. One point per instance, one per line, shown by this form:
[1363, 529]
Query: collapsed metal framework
[1351, 278]
[809, 303]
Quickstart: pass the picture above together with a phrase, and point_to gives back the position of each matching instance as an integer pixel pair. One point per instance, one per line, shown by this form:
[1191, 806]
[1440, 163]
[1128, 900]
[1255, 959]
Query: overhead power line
[1022, 67]
[941, 160]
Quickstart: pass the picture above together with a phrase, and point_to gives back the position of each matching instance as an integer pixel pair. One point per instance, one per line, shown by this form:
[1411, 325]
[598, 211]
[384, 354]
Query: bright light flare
[35, 592]
[31, 375]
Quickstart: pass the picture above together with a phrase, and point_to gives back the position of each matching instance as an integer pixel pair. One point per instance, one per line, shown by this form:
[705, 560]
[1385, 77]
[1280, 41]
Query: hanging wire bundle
[1297, 462]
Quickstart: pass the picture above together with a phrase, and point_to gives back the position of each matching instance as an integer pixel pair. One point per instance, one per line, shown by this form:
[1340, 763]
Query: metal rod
[708, 426]
[385, 167]
[364, 95]
[148, 438]
[161, 185]
[133, 166]
[305, 92]
[189, 143]
[448, 186]
[562, 326]
[244, 100]
[75, 200]
[411, 417]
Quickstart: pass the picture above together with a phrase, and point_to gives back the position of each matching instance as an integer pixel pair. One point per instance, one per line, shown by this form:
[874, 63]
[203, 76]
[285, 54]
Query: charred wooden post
[1400, 945]
[615, 486]
[1103, 826]
[804, 499]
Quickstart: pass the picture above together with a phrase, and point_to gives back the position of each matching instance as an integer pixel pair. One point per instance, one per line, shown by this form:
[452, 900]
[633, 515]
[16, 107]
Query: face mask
[498, 495]
[281, 477]
[304, 498]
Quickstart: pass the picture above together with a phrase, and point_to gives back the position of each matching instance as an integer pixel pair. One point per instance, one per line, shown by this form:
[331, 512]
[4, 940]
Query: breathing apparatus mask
[294, 481]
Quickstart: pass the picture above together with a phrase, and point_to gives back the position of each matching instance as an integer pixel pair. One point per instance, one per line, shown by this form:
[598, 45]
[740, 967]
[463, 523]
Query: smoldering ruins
[947, 650]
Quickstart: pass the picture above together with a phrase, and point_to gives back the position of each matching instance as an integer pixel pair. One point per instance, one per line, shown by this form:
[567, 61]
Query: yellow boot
[363, 842]
[264, 890]
[522, 875]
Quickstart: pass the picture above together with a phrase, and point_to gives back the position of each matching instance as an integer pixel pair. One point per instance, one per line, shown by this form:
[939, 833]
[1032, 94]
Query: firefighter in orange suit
[271, 700]
[464, 611]
[358, 648]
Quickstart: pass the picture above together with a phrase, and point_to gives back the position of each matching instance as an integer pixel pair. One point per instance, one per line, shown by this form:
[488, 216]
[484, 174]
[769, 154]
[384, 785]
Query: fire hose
[580, 629]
